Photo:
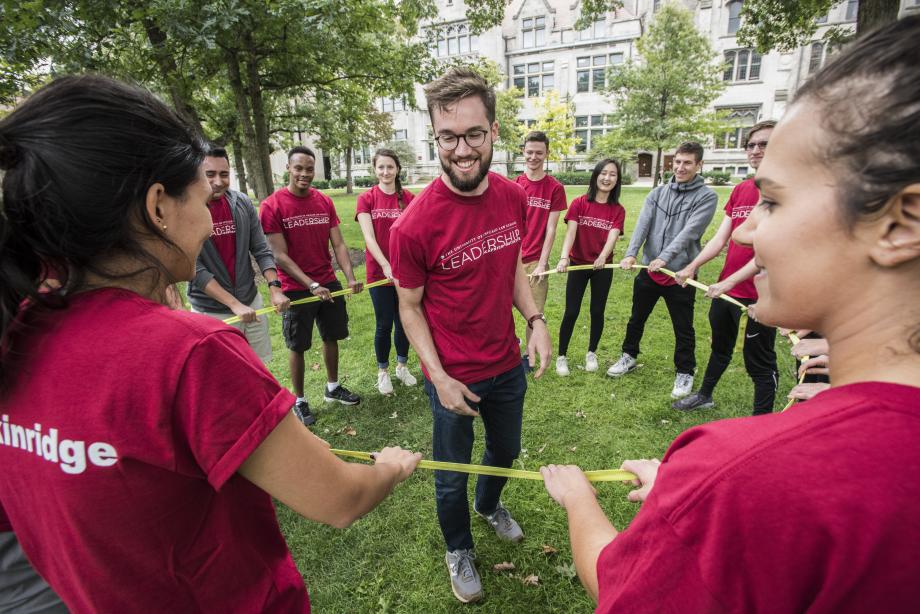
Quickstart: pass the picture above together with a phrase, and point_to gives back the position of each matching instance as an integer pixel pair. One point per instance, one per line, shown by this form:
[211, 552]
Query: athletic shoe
[624, 365]
[403, 375]
[505, 526]
[562, 366]
[697, 400]
[683, 385]
[343, 395]
[384, 385]
[590, 362]
[301, 409]
[464, 579]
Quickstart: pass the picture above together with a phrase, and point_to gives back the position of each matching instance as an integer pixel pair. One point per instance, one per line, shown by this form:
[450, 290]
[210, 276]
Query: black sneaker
[697, 400]
[341, 394]
[301, 409]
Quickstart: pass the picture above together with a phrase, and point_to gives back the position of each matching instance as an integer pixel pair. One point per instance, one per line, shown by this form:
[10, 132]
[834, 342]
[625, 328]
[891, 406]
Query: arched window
[734, 15]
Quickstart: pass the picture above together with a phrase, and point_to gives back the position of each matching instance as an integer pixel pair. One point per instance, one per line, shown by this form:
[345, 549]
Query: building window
[588, 128]
[534, 78]
[742, 65]
[852, 9]
[389, 105]
[656, 5]
[821, 19]
[453, 40]
[591, 71]
[533, 31]
[734, 16]
[431, 152]
[742, 118]
[596, 30]
[816, 60]
[400, 135]
[361, 155]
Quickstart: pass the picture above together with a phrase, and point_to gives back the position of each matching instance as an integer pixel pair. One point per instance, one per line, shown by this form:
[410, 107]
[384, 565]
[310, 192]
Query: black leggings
[575, 287]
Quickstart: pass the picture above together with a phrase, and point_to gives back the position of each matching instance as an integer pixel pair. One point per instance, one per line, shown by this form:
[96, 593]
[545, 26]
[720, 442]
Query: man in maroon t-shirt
[545, 201]
[300, 222]
[456, 255]
[735, 280]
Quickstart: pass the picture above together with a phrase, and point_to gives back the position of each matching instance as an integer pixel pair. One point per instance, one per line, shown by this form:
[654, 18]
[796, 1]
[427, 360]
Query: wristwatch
[536, 316]
[314, 286]
[274, 284]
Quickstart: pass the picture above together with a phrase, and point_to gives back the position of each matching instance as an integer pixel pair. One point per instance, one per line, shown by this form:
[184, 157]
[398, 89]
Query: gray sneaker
[505, 526]
[624, 365]
[464, 579]
[697, 400]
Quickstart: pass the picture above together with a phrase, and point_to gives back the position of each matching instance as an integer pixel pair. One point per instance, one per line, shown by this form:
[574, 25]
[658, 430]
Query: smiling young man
[456, 255]
[545, 201]
[300, 223]
[224, 283]
[672, 221]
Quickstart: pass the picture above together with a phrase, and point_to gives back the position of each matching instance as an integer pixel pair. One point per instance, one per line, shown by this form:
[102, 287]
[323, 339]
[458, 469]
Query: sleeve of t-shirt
[557, 199]
[226, 404]
[333, 216]
[619, 217]
[268, 217]
[574, 210]
[364, 204]
[730, 203]
[407, 260]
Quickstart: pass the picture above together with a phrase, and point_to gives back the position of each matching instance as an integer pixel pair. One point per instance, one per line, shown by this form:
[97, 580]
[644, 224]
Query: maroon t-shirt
[120, 461]
[384, 209]
[223, 234]
[742, 201]
[543, 197]
[464, 251]
[595, 221]
[812, 510]
[305, 223]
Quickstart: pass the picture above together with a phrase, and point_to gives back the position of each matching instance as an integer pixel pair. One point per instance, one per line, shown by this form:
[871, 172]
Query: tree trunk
[238, 162]
[349, 152]
[167, 65]
[250, 154]
[657, 174]
[264, 148]
[873, 13]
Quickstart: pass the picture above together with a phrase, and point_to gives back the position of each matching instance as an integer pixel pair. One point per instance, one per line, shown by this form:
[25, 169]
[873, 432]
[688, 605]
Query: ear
[156, 205]
[898, 240]
[494, 131]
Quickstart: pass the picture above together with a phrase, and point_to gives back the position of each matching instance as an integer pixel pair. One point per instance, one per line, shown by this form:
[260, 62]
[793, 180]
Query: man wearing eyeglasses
[456, 256]
[735, 280]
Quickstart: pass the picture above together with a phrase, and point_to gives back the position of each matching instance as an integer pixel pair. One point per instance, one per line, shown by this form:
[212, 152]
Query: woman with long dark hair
[141, 447]
[377, 210]
[595, 222]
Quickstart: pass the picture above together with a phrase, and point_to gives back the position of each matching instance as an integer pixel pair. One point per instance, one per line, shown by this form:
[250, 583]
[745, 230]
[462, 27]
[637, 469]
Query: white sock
[299, 399]
[330, 386]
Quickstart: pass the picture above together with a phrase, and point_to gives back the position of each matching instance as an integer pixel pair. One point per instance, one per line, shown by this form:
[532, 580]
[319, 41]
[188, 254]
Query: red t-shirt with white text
[384, 210]
[742, 201]
[810, 510]
[223, 234]
[120, 460]
[595, 221]
[305, 222]
[543, 197]
[464, 251]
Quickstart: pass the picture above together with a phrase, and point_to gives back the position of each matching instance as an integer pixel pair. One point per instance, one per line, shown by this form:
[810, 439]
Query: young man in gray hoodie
[672, 222]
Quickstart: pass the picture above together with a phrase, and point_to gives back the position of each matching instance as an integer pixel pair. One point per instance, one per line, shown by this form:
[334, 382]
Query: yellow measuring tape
[601, 475]
[310, 299]
[795, 341]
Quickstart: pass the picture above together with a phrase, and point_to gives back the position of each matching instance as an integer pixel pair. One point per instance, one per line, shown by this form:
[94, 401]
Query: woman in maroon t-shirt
[377, 210]
[814, 509]
[595, 222]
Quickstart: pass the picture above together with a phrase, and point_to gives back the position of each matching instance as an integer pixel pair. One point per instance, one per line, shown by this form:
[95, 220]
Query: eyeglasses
[449, 142]
[752, 145]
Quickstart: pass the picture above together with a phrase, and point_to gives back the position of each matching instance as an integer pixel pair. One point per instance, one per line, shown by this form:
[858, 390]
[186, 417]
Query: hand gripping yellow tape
[601, 475]
[310, 299]
[795, 340]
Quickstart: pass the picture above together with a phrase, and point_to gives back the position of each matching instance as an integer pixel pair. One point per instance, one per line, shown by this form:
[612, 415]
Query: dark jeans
[386, 312]
[575, 287]
[759, 355]
[680, 303]
[501, 409]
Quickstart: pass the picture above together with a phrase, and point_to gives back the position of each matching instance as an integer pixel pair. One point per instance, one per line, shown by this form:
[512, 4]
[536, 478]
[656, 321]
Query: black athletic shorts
[297, 322]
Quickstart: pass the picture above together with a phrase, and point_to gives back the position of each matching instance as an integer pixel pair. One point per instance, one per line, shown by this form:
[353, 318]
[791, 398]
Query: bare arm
[341, 256]
[331, 491]
[548, 241]
[612, 237]
[282, 259]
[709, 251]
[539, 341]
[567, 243]
[746, 272]
[217, 292]
[370, 241]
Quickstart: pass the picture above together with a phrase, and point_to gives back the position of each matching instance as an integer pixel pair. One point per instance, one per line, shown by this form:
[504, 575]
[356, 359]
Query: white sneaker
[590, 362]
[562, 366]
[384, 385]
[624, 365]
[403, 375]
[683, 384]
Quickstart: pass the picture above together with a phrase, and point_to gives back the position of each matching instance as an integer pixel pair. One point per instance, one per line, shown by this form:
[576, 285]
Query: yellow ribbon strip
[795, 341]
[601, 475]
[311, 299]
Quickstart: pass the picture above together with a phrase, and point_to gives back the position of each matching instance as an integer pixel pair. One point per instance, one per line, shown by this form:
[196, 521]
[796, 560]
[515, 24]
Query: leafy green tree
[556, 118]
[664, 98]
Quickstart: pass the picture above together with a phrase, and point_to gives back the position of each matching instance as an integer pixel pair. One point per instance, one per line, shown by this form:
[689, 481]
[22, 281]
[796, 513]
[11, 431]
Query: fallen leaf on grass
[567, 570]
[531, 580]
[543, 447]
[315, 366]
[393, 415]
[347, 430]
[573, 448]
[549, 550]
[580, 414]
[666, 422]
[505, 566]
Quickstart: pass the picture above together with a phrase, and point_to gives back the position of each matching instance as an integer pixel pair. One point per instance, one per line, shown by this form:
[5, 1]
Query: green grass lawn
[393, 560]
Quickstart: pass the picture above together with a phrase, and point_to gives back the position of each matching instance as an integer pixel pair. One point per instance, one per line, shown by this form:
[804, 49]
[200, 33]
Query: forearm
[550, 238]
[713, 247]
[589, 532]
[612, 237]
[217, 292]
[341, 256]
[523, 298]
[292, 269]
[370, 239]
[569, 239]
[745, 272]
[364, 487]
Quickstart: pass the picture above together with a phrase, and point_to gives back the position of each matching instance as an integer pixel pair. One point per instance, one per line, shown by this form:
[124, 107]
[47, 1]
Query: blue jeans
[501, 409]
[386, 312]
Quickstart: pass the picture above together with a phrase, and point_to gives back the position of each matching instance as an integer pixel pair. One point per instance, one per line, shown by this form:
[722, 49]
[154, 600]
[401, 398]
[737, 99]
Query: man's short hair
[690, 147]
[217, 152]
[300, 149]
[767, 123]
[455, 85]
[537, 136]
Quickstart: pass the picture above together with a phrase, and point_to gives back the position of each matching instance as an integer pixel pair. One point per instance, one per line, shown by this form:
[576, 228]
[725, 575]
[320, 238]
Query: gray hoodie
[672, 221]
[249, 240]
